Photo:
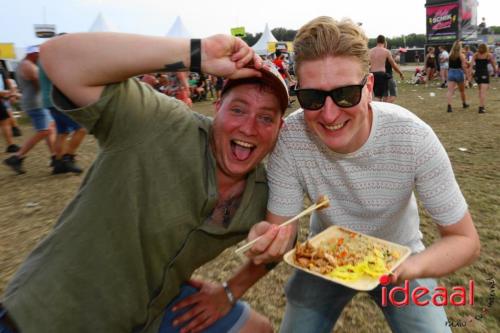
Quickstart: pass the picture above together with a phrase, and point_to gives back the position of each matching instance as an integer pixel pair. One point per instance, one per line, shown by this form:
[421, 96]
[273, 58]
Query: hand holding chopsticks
[322, 202]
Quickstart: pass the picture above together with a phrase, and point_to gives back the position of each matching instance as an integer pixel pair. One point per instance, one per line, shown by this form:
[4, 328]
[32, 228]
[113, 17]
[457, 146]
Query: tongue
[241, 153]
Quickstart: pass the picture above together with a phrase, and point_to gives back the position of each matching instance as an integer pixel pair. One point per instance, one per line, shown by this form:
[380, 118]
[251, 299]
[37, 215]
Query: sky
[206, 17]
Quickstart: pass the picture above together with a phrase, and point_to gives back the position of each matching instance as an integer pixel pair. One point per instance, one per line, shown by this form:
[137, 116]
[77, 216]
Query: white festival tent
[261, 46]
[102, 25]
[178, 29]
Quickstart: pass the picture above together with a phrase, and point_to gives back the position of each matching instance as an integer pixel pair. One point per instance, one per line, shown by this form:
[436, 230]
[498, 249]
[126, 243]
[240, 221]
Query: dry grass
[29, 205]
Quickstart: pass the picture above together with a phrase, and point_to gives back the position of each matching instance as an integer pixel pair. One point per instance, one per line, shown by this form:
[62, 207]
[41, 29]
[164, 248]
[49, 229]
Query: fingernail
[385, 279]
[174, 309]
[175, 323]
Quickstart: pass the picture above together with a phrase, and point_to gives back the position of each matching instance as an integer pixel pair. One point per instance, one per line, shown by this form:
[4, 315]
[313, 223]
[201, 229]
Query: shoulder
[294, 128]
[395, 119]
[295, 121]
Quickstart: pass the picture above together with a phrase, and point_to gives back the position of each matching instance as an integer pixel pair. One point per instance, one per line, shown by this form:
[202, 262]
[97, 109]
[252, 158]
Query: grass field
[29, 205]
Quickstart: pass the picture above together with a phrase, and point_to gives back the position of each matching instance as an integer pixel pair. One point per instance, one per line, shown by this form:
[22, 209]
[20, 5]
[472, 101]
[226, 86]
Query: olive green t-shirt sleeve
[126, 113]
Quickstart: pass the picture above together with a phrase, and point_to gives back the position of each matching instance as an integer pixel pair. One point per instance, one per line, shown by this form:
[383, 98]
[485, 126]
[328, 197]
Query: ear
[370, 82]
[282, 122]
[218, 104]
[369, 86]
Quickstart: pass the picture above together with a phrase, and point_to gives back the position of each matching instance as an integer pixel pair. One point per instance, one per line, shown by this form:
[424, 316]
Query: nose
[249, 126]
[330, 111]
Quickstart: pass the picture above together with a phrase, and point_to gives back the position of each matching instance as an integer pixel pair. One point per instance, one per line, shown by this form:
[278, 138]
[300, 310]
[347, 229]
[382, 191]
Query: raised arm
[394, 65]
[80, 65]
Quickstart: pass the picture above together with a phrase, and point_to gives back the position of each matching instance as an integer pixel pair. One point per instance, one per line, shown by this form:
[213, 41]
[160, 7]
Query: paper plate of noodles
[347, 257]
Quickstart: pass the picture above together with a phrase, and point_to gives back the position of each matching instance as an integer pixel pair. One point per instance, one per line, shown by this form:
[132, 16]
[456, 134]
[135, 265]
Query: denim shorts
[64, 123]
[456, 75]
[233, 321]
[40, 118]
[314, 305]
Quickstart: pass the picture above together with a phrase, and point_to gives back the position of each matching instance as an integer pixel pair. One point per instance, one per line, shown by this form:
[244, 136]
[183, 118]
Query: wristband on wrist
[195, 64]
[229, 293]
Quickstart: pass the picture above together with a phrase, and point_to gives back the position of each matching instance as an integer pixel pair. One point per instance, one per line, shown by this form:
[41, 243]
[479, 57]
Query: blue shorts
[231, 322]
[456, 75]
[40, 118]
[64, 123]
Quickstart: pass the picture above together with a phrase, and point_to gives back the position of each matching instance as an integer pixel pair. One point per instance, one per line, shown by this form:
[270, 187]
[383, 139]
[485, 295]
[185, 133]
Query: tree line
[411, 40]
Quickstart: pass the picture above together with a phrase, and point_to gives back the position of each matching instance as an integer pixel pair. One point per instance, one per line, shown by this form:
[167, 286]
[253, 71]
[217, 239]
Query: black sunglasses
[344, 97]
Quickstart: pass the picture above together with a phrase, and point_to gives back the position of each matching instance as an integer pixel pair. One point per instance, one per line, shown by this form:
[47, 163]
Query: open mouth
[241, 149]
[336, 127]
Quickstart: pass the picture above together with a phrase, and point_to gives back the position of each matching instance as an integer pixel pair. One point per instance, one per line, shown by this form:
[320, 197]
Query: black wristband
[195, 65]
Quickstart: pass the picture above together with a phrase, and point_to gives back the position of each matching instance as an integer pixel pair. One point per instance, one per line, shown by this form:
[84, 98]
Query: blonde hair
[324, 36]
[456, 50]
[482, 49]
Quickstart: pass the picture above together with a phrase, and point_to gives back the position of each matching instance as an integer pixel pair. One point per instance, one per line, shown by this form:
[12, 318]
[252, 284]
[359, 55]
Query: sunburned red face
[246, 127]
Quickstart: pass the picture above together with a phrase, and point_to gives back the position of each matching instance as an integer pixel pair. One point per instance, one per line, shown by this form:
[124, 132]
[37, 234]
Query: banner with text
[442, 23]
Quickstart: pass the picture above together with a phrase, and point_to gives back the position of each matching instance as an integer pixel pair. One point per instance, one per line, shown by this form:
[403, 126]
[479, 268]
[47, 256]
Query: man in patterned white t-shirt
[372, 160]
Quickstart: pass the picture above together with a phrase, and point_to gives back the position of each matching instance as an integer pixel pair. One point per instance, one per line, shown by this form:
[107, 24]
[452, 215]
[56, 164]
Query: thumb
[196, 283]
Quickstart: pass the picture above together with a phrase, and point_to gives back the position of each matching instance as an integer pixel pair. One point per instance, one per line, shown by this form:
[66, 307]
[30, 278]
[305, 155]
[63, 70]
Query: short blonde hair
[324, 36]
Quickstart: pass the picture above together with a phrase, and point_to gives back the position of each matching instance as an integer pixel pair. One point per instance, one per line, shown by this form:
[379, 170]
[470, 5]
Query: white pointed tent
[102, 25]
[261, 46]
[178, 29]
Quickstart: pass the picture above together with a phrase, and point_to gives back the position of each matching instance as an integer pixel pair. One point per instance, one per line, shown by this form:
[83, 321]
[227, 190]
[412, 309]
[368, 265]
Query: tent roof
[178, 29]
[261, 46]
[102, 25]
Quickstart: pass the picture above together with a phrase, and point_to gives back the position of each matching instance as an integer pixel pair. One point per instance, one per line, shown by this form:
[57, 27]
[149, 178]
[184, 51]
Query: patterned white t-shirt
[373, 189]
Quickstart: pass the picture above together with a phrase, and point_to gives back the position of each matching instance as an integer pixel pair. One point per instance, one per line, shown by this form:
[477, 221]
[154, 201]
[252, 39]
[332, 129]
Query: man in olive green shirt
[170, 189]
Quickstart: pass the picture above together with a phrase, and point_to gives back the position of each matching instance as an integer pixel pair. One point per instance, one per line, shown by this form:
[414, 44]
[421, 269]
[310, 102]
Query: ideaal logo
[458, 296]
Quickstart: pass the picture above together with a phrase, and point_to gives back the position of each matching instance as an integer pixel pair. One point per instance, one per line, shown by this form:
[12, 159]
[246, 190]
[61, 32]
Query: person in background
[480, 62]
[65, 152]
[5, 116]
[392, 90]
[31, 102]
[443, 65]
[378, 56]
[372, 160]
[150, 79]
[169, 191]
[182, 92]
[430, 65]
[468, 54]
[456, 76]
[10, 103]
[280, 63]
[218, 82]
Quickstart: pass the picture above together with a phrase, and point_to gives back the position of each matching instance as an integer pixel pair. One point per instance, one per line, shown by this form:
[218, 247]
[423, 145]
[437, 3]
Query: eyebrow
[242, 101]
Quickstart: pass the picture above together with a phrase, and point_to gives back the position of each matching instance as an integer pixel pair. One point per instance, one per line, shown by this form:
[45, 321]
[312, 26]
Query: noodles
[349, 257]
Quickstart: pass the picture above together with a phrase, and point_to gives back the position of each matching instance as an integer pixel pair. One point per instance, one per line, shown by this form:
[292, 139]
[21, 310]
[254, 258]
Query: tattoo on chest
[224, 211]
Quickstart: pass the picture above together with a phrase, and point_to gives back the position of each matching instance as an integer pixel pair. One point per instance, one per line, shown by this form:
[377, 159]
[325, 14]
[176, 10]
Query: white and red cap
[271, 77]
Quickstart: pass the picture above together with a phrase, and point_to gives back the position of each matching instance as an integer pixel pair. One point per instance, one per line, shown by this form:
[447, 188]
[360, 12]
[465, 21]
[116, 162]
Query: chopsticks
[322, 202]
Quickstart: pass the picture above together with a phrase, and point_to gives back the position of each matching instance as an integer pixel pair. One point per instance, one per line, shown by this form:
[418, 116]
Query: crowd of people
[460, 69]
[167, 180]
[50, 125]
